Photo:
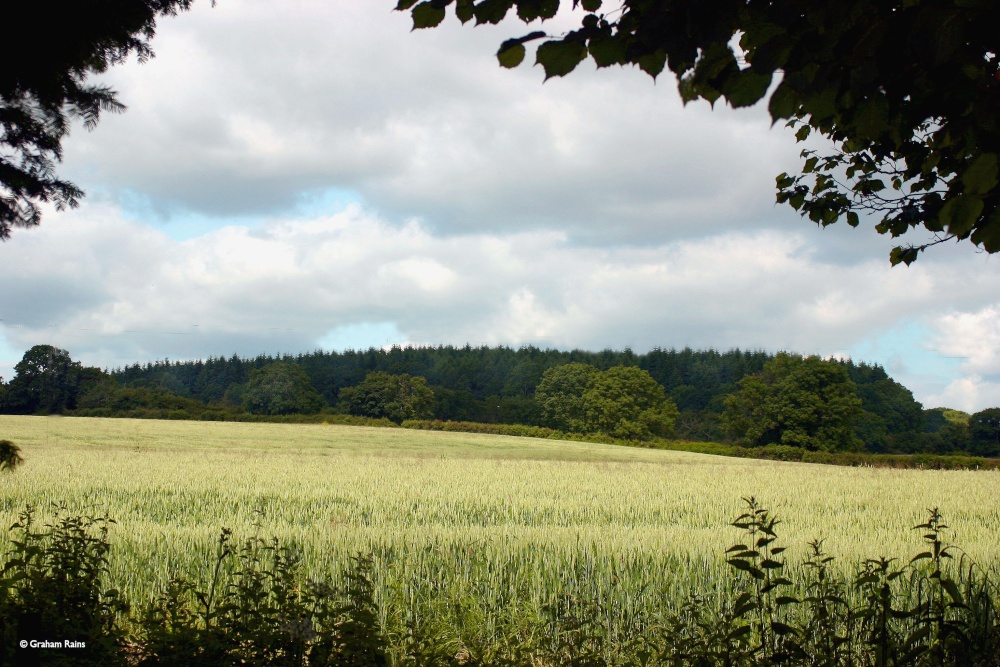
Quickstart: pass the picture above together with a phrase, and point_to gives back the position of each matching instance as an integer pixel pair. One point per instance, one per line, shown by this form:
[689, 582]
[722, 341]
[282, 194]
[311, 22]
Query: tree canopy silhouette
[48, 53]
[907, 92]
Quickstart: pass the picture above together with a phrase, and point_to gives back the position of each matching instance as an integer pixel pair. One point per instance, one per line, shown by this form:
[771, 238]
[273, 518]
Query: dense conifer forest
[497, 384]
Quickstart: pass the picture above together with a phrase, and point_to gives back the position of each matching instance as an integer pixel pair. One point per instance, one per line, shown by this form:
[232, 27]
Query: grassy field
[500, 520]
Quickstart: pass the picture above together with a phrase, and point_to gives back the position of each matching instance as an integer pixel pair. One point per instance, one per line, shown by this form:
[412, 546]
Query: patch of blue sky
[908, 354]
[361, 336]
[183, 225]
[317, 203]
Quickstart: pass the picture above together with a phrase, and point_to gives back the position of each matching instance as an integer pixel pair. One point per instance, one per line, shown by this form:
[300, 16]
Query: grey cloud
[246, 107]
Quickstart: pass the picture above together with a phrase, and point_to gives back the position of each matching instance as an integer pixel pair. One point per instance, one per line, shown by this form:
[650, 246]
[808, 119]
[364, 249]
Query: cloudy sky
[317, 176]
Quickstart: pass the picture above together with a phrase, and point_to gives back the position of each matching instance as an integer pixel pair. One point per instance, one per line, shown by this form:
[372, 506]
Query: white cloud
[971, 394]
[974, 337]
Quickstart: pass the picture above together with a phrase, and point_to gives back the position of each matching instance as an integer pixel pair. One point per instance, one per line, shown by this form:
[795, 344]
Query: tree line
[752, 398]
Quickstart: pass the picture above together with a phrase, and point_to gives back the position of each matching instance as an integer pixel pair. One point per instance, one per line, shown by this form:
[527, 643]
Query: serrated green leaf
[403, 5]
[560, 57]
[548, 8]
[653, 63]
[465, 10]
[783, 180]
[511, 53]
[740, 564]
[981, 176]
[988, 235]
[427, 15]
[782, 629]
[852, 219]
[784, 103]
[746, 88]
[607, 51]
[960, 213]
[952, 588]
[591, 5]
[803, 133]
[492, 11]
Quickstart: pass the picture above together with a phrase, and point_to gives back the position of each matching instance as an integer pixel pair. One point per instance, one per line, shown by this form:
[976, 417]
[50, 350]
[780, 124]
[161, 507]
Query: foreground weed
[264, 616]
[51, 589]
[758, 564]
[256, 608]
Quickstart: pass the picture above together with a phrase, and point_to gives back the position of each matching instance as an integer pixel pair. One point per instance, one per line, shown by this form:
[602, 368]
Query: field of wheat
[505, 522]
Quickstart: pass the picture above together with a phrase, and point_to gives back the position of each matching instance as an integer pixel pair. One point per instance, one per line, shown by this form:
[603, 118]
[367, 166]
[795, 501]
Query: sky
[315, 175]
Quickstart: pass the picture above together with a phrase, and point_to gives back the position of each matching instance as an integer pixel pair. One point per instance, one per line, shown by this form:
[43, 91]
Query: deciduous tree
[560, 393]
[45, 380]
[623, 401]
[984, 432]
[48, 53]
[803, 402]
[907, 92]
[394, 397]
[281, 389]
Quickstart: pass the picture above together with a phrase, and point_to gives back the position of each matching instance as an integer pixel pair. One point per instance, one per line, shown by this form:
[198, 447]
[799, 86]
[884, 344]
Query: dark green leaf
[548, 8]
[872, 118]
[492, 11]
[653, 63]
[746, 88]
[782, 629]
[511, 53]
[591, 5]
[959, 214]
[465, 10]
[953, 592]
[981, 176]
[988, 234]
[561, 57]
[427, 15]
[784, 102]
[607, 51]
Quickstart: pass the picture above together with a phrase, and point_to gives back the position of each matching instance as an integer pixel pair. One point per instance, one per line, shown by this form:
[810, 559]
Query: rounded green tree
[394, 397]
[802, 402]
[281, 389]
[623, 401]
